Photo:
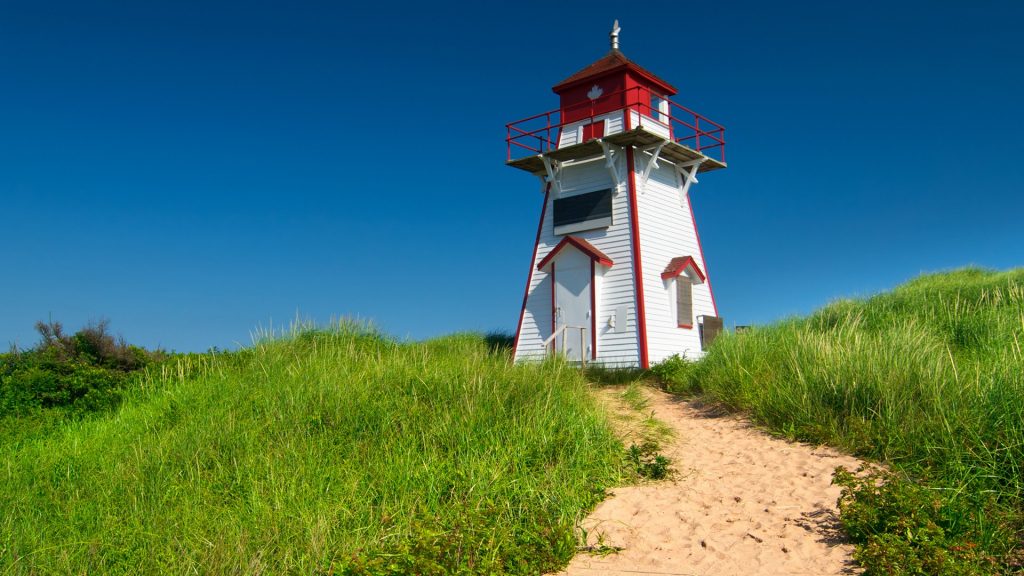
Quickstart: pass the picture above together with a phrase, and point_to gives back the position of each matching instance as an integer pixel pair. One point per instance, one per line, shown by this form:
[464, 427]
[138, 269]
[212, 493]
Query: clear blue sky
[194, 170]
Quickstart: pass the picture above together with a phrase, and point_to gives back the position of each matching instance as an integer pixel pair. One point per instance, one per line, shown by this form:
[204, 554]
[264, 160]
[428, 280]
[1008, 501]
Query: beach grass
[337, 451]
[927, 379]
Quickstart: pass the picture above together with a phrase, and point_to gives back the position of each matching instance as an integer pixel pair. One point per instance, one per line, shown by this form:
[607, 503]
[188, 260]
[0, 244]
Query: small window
[684, 301]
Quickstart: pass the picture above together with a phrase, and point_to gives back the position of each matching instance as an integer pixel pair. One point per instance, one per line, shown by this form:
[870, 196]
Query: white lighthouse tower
[618, 275]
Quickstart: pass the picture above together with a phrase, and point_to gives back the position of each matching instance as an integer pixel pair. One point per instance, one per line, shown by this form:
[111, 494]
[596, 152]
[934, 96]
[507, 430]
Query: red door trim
[554, 309]
[593, 311]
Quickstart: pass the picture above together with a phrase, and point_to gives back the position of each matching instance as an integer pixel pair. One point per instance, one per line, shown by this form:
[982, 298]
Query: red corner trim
[679, 264]
[529, 277]
[638, 278]
[593, 309]
[580, 244]
[701, 250]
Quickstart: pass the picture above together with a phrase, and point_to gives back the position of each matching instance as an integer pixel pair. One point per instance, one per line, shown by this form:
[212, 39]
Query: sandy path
[742, 503]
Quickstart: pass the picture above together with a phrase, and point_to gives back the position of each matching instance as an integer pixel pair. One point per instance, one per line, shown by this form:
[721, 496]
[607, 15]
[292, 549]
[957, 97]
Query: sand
[741, 502]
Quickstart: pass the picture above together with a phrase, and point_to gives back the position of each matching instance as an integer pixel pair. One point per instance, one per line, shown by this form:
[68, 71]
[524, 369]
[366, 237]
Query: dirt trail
[742, 502]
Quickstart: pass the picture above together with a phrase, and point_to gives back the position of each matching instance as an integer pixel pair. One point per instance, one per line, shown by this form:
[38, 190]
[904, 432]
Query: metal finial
[615, 35]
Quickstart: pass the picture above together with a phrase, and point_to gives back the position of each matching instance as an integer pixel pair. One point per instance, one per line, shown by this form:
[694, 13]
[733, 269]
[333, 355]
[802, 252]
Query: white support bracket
[687, 175]
[609, 162]
[554, 170]
[544, 184]
[653, 163]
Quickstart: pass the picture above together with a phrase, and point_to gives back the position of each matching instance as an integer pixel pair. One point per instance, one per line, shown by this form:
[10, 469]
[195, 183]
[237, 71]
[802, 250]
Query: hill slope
[928, 378]
[324, 452]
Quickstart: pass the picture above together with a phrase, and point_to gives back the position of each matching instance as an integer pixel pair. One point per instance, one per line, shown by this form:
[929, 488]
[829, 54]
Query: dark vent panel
[583, 212]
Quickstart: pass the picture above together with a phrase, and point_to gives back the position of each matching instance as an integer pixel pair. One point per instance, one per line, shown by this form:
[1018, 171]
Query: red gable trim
[678, 265]
[581, 245]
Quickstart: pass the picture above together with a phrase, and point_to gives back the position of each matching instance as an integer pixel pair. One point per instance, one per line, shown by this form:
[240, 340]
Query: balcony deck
[639, 137]
[634, 119]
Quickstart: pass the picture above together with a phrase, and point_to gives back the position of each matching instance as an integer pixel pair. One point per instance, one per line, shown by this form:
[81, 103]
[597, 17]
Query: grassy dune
[929, 379]
[323, 452]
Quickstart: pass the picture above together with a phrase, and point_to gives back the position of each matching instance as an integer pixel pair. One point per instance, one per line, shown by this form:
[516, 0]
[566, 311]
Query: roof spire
[614, 35]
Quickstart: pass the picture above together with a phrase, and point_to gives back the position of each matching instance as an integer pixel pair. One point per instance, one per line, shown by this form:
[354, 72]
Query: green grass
[928, 378]
[336, 451]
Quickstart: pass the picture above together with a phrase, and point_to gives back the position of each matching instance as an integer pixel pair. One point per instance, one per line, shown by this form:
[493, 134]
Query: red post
[696, 129]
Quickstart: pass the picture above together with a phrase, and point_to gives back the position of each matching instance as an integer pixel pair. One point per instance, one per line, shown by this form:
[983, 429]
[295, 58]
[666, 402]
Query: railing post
[547, 131]
[583, 349]
[696, 128]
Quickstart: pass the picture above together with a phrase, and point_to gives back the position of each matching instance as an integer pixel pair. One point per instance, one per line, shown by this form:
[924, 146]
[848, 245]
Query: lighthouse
[618, 275]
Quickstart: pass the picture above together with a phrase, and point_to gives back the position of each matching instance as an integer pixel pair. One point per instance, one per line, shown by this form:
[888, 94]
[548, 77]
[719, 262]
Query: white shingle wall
[667, 230]
[615, 287]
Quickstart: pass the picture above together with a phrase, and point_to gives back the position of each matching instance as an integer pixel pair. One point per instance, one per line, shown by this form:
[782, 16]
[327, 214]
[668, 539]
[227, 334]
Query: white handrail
[564, 331]
[554, 334]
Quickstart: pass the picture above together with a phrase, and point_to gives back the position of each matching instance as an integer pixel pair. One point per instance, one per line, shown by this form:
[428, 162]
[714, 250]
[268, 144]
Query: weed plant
[323, 452]
[929, 379]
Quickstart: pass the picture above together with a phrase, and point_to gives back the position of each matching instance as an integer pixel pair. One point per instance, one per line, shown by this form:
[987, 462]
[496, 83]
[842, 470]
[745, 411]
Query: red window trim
[678, 265]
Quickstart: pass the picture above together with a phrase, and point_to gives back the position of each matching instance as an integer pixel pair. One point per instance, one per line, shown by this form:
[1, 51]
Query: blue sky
[192, 171]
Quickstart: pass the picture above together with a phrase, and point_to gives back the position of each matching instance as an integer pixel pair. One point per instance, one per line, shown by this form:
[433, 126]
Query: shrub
[81, 372]
[675, 373]
[904, 528]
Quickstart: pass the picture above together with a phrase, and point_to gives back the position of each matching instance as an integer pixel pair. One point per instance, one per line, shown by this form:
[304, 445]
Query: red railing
[540, 133]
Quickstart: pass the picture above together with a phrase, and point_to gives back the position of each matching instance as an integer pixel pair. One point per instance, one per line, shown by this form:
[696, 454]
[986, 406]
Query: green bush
[902, 527]
[79, 373]
[675, 373]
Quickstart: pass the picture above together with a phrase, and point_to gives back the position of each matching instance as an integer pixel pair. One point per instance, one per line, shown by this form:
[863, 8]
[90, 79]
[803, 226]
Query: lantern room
[614, 101]
[610, 84]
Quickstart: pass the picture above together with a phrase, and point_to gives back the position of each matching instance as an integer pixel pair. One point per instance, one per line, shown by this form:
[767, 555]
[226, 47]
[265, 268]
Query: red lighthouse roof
[612, 63]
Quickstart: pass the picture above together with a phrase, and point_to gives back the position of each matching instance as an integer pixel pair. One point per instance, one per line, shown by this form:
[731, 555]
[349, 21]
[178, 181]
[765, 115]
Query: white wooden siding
[573, 133]
[653, 126]
[613, 123]
[614, 289]
[667, 230]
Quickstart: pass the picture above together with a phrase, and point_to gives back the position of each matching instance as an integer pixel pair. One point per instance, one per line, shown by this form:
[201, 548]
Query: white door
[572, 304]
